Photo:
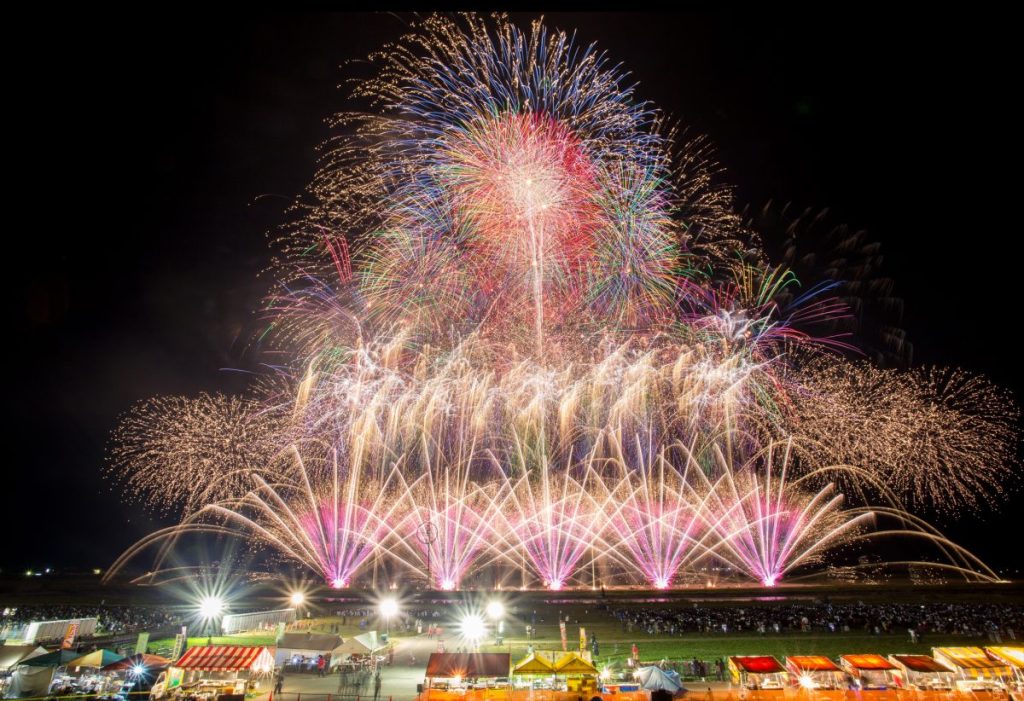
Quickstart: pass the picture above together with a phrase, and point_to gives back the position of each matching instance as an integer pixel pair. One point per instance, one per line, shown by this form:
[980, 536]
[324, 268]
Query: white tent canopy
[362, 644]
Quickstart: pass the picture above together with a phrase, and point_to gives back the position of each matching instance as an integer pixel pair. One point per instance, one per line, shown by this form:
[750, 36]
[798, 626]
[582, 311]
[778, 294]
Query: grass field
[615, 643]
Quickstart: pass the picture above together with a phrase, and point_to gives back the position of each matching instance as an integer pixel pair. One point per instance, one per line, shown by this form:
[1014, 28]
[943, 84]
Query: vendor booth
[138, 672]
[536, 670]
[11, 657]
[870, 672]
[357, 652]
[974, 669]
[213, 671]
[1013, 657]
[451, 674]
[298, 652]
[759, 672]
[84, 675]
[579, 674]
[922, 673]
[815, 672]
[35, 676]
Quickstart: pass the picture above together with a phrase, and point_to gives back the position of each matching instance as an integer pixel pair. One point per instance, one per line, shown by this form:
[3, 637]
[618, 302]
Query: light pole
[427, 534]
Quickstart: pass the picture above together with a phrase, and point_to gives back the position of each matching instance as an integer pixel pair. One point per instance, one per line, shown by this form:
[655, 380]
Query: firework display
[527, 333]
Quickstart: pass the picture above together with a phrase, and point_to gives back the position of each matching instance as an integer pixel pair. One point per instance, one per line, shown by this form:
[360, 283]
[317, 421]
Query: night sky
[150, 156]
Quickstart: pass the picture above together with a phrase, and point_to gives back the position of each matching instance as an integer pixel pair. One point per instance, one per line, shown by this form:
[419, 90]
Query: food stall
[45, 673]
[215, 671]
[83, 674]
[815, 672]
[462, 675]
[11, 658]
[974, 669]
[870, 672]
[138, 672]
[358, 652]
[298, 652]
[758, 672]
[534, 671]
[1013, 657]
[922, 673]
[580, 675]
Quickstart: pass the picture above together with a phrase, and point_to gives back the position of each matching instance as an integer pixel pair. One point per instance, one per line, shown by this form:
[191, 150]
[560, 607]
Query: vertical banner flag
[565, 643]
[141, 643]
[179, 644]
[69, 636]
[280, 630]
[583, 639]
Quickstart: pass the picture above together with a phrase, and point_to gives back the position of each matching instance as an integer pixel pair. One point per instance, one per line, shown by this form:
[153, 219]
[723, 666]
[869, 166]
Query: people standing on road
[279, 683]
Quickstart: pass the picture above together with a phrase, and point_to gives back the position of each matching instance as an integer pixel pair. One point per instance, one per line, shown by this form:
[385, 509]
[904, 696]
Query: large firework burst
[529, 332]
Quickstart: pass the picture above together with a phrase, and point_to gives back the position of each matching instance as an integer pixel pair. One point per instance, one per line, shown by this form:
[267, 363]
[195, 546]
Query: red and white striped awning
[226, 658]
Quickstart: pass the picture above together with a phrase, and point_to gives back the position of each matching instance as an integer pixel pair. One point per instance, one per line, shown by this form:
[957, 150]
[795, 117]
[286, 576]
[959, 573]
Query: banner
[281, 626]
[565, 643]
[69, 636]
[583, 639]
[180, 641]
[141, 643]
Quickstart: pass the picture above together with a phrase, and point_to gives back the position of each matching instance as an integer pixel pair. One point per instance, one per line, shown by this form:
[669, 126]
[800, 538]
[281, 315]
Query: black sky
[150, 155]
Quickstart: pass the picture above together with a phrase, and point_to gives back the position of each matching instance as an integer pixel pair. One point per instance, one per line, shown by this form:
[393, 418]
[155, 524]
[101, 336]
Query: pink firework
[661, 524]
[767, 526]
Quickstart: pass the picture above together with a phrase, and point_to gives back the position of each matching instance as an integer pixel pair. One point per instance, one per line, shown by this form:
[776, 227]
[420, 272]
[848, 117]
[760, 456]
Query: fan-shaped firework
[528, 333]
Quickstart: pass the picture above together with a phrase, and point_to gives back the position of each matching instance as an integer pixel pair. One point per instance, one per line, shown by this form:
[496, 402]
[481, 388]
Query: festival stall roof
[468, 665]
[1013, 656]
[13, 655]
[534, 664]
[811, 663]
[759, 664]
[573, 663]
[922, 664]
[227, 658]
[96, 658]
[57, 658]
[971, 662]
[867, 662]
[654, 678]
[150, 662]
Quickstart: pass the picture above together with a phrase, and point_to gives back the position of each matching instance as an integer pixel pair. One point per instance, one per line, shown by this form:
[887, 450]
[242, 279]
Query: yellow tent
[572, 663]
[972, 662]
[1013, 656]
[534, 664]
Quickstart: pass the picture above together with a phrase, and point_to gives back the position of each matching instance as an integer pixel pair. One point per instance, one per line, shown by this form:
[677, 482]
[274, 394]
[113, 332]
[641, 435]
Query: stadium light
[495, 609]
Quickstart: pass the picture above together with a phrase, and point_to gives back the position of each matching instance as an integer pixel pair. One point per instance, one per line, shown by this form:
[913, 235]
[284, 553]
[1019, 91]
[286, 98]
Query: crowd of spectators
[111, 620]
[995, 621]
